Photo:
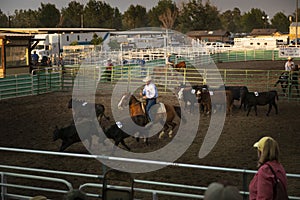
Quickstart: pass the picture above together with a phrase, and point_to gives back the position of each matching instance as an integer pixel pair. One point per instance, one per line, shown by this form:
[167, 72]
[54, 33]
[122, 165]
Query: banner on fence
[289, 51]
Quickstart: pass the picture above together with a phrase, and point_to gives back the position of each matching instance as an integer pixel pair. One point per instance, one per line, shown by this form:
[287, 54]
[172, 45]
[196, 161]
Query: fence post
[3, 189]
[245, 185]
[154, 196]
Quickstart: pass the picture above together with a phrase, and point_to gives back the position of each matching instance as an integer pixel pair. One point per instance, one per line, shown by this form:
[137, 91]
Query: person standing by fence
[35, 58]
[289, 65]
[109, 69]
[270, 170]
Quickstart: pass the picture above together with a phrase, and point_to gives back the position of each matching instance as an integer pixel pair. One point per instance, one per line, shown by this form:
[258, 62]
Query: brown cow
[210, 99]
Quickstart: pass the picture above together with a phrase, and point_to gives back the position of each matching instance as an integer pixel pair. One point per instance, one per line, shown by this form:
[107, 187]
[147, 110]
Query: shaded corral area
[28, 122]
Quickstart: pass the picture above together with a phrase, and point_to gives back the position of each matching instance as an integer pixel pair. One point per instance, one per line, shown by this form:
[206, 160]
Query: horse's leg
[162, 133]
[173, 125]
[284, 86]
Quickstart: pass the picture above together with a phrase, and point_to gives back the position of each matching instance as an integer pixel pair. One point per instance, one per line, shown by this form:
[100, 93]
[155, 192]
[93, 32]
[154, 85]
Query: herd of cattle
[81, 116]
[210, 98]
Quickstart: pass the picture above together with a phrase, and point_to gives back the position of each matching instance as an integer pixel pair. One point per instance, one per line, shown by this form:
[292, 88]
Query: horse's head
[124, 101]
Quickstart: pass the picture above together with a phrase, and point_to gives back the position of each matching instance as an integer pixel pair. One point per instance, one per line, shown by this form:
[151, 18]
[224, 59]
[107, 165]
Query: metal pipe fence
[144, 186]
[58, 79]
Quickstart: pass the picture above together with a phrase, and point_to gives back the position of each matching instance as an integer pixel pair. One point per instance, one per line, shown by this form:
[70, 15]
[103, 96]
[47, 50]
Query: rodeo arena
[68, 122]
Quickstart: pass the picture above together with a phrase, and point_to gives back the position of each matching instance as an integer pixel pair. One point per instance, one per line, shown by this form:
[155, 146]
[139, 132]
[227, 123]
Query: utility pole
[296, 23]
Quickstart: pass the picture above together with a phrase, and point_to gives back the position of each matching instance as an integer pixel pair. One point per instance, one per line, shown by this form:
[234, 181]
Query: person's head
[267, 149]
[147, 80]
[218, 191]
[38, 198]
[289, 58]
[34, 52]
[75, 195]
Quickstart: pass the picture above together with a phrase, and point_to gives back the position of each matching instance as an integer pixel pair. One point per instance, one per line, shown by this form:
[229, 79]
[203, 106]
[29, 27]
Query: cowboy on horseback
[149, 93]
[168, 60]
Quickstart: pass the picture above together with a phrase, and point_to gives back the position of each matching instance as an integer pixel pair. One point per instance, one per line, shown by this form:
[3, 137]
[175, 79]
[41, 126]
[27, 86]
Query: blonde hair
[269, 152]
[218, 191]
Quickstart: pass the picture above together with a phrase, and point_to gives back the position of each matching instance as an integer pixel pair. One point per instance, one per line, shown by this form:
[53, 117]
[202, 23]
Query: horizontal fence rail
[80, 77]
[143, 184]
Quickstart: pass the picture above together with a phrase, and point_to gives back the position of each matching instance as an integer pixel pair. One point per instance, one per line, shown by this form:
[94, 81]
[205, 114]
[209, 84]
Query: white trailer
[255, 43]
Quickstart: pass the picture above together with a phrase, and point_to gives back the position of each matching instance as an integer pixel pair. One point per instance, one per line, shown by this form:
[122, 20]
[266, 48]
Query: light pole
[265, 18]
[296, 23]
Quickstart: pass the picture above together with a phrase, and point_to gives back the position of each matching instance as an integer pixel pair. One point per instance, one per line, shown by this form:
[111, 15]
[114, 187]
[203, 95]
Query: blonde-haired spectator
[263, 182]
[40, 197]
[219, 191]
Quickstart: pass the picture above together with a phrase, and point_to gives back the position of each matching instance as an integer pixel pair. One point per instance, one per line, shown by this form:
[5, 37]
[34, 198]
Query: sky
[271, 7]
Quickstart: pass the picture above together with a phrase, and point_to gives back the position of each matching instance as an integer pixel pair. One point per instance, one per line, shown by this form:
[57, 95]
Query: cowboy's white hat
[147, 79]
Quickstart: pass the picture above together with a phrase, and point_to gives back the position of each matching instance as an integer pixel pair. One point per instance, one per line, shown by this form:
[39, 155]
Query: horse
[288, 79]
[139, 116]
[180, 66]
[83, 108]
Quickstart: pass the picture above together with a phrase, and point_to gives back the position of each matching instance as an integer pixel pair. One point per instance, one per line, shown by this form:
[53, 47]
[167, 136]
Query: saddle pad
[161, 108]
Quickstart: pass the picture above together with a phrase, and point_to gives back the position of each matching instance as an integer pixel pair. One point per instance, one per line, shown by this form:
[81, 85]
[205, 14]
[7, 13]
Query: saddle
[158, 108]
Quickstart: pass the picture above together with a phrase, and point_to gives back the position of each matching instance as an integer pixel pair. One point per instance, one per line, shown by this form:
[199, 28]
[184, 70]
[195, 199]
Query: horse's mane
[133, 99]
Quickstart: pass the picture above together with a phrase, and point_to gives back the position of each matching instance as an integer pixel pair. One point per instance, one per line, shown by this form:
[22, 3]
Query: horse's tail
[178, 112]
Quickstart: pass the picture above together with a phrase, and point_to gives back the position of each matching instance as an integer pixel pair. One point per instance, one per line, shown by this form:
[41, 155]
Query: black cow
[239, 94]
[261, 98]
[69, 134]
[190, 95]
[83, 109]
[117, 134]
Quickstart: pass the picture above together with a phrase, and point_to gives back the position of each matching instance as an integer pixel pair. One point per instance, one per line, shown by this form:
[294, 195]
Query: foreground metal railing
[143, 184]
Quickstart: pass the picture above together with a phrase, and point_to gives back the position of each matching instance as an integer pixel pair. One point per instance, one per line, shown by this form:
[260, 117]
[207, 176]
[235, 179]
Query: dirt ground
[29, 122]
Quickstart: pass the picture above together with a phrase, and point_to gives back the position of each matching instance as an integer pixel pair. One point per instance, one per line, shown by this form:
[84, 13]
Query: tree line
[184, 17]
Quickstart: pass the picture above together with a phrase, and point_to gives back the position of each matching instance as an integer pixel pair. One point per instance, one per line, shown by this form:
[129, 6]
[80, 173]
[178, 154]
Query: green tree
[49, 15]
[164, 13]
[3, 20]
[135, 17]
[96, 40]
[281, 22]
[26, 19]
[196, 16]
[72, 15]
[253, 19]
[100, 14]
[231, 20]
